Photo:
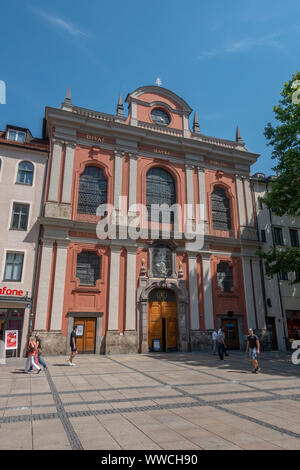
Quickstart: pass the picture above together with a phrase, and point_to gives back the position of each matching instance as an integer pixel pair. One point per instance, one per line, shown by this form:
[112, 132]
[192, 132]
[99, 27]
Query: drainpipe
[37, 254]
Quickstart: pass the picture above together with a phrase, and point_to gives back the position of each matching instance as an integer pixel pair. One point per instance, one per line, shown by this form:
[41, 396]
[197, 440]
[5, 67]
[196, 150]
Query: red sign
[11, 339]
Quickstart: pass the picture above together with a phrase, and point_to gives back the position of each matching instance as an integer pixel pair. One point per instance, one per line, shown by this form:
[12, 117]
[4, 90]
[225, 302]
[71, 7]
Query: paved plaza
[164, 401]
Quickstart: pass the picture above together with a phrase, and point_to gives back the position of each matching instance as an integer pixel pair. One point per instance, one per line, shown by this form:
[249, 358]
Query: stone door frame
[178, 286]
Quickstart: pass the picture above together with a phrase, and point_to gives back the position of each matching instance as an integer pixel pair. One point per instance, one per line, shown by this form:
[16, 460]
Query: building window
[225, 276]
[220, 209]
[13, 267]
[161, 261]
[19, 217]
[294, 238]
[25, 173]
[283, 276]
[160, 189]
[260, 204]
[92, 190]
[17, 136]
[278, 237]
[263, 236]
[88, 268]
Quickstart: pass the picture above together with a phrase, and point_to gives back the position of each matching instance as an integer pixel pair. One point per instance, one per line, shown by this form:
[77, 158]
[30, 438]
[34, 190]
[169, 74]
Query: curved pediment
[154, 94]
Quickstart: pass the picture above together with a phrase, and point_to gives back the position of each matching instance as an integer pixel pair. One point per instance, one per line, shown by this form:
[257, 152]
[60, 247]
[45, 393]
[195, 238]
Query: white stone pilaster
[193, 291]
[43, 287]
[114, 287]
[186, 129]
[59, 285]
[130, 320]
[249, 293]
[207, 293]
[68, 174]
[117, 179]
[55, 171]
[260, 308]
[202, 190]
[132, 179]
[249, 202]
[240, 200]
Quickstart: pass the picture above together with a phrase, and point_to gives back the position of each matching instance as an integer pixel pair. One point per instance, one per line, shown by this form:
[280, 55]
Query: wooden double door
[231, 331]
[162, 325]
[86, 335]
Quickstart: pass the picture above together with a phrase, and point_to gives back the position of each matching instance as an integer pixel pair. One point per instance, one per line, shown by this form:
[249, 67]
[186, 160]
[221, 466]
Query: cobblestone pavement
[159, 401]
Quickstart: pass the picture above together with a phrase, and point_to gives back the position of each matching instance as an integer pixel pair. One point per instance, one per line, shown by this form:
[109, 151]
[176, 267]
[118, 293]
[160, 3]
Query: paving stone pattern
[156, 401]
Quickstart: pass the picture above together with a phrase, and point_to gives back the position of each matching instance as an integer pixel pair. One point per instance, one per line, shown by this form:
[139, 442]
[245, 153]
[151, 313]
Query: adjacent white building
[282, 299]
[23, 163]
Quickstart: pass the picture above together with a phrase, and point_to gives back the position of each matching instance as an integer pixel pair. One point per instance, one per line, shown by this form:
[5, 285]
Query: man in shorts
[253, 347]
[73, 345]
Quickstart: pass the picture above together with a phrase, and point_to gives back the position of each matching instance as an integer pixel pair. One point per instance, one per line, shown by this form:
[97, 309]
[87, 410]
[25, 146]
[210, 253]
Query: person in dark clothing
[221, 344]
[253, 346]
[73, 346]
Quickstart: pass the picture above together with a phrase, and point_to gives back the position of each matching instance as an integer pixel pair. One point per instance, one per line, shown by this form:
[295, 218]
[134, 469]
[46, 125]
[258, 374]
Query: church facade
[147, 285]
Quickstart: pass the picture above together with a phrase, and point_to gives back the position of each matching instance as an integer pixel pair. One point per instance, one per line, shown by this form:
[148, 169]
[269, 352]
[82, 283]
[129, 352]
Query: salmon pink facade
[159, 290]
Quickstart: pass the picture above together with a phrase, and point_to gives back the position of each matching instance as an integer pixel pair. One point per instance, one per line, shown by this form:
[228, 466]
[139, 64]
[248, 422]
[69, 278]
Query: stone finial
[68, 97]
[238, 138]
[196, 127]
[120, 107]
[67, 104]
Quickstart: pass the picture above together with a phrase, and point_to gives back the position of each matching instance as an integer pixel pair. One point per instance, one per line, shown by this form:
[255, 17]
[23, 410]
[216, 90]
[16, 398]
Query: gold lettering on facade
[162, 152]
[93, 138]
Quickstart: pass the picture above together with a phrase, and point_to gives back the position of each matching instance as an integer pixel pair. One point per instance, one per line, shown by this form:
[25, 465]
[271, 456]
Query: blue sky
[227, 58]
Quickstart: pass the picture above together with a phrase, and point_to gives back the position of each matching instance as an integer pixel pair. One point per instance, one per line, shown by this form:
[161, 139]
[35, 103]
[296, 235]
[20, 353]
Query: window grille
[92, 190]
[160, 190]
[161, 261]
[88, 268]
[225, 277]
[220, 209]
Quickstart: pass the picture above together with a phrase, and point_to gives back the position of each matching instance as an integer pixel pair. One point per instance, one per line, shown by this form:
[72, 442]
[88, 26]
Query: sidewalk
[164, 401]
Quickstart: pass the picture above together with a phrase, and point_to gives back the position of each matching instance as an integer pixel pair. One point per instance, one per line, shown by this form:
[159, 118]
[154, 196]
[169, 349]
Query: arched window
[160, 190]
[220, 209]
[224, 276]
[25, 173]
[92, 190]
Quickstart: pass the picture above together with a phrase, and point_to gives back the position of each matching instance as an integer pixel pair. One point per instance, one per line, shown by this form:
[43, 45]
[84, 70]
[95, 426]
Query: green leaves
[285, 260]
[284, 195]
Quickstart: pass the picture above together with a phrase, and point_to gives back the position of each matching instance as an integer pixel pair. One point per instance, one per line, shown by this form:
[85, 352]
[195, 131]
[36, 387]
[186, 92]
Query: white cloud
[244, 45]
[60, 23]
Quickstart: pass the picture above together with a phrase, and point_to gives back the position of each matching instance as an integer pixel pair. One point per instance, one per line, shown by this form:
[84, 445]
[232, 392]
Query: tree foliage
[284, 195]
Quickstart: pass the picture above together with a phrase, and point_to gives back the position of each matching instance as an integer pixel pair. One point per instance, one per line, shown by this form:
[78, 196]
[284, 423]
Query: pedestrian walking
[214, 342]
[31, 354]
[253, 347]
[221, 344]
[39, 358]
[73, 345]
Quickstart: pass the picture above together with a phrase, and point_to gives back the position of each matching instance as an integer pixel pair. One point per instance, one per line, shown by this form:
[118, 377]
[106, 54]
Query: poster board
[11, 339]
